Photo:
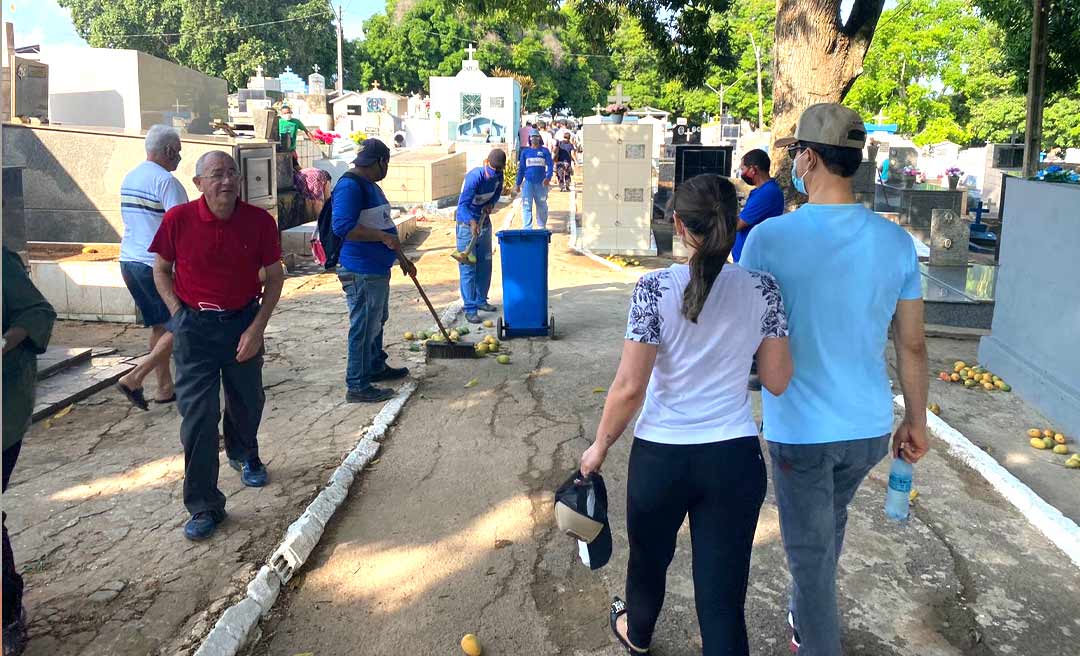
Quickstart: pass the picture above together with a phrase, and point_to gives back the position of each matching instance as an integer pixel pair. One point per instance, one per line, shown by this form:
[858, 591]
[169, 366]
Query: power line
[236, 28]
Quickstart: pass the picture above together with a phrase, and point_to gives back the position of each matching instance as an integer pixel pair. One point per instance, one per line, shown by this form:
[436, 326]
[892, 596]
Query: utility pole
[340, 58]
[723, 90]
[760, 97]
[1036, 87]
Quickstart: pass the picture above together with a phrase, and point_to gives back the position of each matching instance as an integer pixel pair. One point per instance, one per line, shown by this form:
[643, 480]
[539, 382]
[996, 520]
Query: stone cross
[880, 118]
[258, 71]
[619, 98]
[470, 50]
[375, 84]
[178, 104]
[315, 68]
[599, 108]
[288, 69]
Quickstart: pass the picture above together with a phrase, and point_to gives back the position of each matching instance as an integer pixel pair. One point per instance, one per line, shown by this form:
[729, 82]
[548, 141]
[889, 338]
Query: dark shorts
[139, 279]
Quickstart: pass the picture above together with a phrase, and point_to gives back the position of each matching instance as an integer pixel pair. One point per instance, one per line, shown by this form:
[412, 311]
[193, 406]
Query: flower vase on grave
[954, 181]
[871, 152]
[617, 118]
[909, 181]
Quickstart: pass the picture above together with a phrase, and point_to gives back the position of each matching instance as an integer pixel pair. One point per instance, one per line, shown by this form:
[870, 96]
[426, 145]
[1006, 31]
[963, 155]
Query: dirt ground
[451, 530]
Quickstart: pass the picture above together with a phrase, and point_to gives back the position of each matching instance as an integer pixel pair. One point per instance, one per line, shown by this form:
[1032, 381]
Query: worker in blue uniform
[481, 190]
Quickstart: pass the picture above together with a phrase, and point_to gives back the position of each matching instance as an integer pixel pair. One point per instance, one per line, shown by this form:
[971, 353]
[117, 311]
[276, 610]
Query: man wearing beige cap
[846, 275]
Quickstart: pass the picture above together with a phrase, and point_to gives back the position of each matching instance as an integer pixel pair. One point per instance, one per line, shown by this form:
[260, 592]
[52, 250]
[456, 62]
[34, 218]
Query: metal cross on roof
[375, 84]
[470, 50]
[599, 108]
[879, 119]
[288, 69]
[258, 71]
[619, 98]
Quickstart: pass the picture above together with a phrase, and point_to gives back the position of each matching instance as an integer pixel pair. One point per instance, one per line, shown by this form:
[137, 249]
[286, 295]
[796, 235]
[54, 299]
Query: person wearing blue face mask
[847, 275]
[479, 193]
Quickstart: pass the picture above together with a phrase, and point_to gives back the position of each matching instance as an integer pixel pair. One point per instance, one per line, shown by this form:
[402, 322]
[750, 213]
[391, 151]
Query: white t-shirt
[145, 195]
[697, 393]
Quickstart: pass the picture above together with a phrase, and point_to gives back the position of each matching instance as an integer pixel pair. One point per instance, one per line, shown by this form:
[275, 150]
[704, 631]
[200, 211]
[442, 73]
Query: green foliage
[206, 34]
[1063, 36]
[1061, 122]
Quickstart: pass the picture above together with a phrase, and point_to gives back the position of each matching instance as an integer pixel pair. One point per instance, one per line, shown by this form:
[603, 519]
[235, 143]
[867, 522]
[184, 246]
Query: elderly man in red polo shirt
[210, 253]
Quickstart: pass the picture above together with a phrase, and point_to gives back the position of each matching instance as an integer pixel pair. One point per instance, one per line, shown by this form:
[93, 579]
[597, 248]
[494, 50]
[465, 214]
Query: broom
[446, 350]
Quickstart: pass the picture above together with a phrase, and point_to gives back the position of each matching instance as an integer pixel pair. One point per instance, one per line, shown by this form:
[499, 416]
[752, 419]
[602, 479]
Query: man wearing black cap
[370, 246]
[479, 193]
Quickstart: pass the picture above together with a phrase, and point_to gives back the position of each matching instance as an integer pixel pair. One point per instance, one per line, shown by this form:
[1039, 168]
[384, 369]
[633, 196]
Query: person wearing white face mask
[847, 275]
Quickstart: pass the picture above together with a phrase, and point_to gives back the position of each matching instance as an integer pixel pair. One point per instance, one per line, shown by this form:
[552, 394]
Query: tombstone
[949, 234]
[474, 108]
[900, 157]
[617, 192]
[291, 82]
[316, 82]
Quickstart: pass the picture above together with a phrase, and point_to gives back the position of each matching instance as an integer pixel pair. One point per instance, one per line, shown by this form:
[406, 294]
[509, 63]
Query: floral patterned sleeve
[773, 319]
[645, 322]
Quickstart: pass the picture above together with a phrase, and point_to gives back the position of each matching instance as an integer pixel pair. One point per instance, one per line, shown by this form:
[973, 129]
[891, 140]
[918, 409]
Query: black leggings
[722, 486]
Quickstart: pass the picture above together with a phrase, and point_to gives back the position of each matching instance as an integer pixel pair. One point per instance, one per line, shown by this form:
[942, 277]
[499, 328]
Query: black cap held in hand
[585, 521]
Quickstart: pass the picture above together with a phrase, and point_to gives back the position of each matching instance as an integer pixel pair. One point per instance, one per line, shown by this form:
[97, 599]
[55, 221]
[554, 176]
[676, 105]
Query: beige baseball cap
[830, 124]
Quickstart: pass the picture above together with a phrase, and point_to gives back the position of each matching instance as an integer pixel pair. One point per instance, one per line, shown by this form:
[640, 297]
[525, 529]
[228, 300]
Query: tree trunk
[817, 59]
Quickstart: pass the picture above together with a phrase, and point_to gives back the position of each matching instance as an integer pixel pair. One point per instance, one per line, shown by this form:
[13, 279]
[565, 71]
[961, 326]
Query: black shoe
[252, 472]
[488, 307]
[371, 394]
[202, 525]
[15, 635]
[472, 318]
[390, 373]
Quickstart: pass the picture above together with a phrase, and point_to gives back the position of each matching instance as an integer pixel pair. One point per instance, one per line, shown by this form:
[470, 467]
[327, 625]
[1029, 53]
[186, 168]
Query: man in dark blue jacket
[482, 188]
[533, 177]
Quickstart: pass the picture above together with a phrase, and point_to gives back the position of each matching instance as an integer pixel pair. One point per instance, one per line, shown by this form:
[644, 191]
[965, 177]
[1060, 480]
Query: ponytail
[707, 207]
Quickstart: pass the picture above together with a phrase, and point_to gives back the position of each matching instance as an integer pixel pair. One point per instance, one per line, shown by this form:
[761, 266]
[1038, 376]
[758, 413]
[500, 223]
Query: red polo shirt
[217, 261]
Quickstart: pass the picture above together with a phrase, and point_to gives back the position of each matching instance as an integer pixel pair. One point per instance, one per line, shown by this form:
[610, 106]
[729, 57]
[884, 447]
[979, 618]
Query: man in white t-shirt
[146, 194]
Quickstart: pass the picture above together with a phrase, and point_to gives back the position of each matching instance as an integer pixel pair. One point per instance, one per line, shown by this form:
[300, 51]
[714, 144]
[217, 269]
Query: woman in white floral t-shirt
[691, 337]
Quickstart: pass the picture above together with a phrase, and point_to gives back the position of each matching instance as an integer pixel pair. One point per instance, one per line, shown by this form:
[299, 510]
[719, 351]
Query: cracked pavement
[451, 529]
[95, 504]
[452, 532]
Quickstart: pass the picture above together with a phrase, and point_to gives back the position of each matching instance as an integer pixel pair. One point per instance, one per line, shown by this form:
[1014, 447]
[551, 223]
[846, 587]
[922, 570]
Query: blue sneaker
[202, 525]
[252, 472]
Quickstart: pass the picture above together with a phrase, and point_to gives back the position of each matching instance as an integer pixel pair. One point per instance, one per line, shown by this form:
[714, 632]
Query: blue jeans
[368, 296]
[534, 192]
[814, 483]
[475, 278]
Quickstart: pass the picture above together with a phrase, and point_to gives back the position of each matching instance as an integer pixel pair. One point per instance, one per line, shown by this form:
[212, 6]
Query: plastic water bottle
[898, 497]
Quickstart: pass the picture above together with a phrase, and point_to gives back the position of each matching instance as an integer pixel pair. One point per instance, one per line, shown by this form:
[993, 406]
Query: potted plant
[953, 173]
[616, 111]
[872, 148]
[909, 173]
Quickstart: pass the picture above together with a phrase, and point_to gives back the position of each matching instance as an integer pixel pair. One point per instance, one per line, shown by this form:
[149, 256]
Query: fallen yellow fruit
[960, 363]
[1059, 438]
[1061, 450]
[934, 408]
[914, 495]
[503, 359]
[1072, 463]
[493, 347]
[473, 382]
[409, 337]
[1036, 443]
[482, 348]
[489, 323]
[955, 378]
[1034, 432]
[989, 387]
[598, 390]
[470, 644]
[454, 335]
[1048, 442]
[1048, 433]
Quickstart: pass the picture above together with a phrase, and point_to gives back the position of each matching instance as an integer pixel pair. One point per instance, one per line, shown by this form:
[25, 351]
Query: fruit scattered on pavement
[974, 377]
[470, 644]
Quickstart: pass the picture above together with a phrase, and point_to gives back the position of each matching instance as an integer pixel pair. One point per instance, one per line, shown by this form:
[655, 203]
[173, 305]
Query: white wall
[93, 86]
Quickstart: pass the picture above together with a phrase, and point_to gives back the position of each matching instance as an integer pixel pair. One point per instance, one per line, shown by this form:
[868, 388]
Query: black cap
[497, 159]
[581, 512]
[371, 151]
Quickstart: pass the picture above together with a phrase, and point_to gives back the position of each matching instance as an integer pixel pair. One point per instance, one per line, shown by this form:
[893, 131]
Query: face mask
[798, 182]
[746, 178]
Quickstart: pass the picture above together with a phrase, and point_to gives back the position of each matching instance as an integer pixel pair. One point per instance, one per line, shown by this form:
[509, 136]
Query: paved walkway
[95, 506]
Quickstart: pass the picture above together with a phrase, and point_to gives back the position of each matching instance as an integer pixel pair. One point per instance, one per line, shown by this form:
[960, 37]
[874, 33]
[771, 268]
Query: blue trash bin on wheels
[524, 257]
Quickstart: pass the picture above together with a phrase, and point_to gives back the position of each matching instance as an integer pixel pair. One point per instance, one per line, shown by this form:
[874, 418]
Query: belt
[215, 311]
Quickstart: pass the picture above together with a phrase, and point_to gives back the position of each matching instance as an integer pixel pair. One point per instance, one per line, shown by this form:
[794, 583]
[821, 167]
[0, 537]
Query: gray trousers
[814, 483]
[204, 350]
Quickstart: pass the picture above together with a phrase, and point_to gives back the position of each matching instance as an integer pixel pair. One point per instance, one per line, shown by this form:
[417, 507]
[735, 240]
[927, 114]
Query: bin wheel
[499, 331]
[551, 327]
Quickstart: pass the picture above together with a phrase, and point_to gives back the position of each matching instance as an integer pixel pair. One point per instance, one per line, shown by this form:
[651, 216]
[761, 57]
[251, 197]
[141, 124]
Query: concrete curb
[239, 623]
[1058, 528]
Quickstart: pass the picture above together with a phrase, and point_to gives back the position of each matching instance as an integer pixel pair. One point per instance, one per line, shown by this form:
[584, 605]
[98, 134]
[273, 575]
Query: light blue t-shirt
[841, 269]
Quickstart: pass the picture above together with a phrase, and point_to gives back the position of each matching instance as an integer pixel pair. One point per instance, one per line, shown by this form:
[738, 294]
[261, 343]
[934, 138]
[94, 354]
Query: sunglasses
[794, 149]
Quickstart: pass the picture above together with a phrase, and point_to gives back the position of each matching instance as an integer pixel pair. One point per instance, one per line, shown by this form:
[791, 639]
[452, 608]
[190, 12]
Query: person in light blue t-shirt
[846, 275]
[369, 249]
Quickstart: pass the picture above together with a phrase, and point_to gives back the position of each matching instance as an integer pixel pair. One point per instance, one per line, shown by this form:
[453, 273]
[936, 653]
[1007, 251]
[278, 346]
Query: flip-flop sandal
[134, 396]
[164, 401]
[618, 607]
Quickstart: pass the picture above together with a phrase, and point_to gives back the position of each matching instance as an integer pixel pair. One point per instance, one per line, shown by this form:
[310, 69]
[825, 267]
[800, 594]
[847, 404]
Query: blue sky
[45, 22]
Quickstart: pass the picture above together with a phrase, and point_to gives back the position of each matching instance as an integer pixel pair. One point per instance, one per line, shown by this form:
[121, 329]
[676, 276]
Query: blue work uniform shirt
[482, 188]
[534, 165]
[362, 202]
[841, 270]
[763, 203]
